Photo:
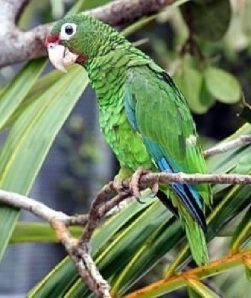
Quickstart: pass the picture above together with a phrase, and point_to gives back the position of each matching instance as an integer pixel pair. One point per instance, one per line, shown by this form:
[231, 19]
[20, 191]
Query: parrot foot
[119, 186]
[135, 181]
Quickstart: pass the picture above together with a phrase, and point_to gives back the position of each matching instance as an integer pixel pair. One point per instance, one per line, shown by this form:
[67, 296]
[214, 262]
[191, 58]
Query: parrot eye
[67, 31]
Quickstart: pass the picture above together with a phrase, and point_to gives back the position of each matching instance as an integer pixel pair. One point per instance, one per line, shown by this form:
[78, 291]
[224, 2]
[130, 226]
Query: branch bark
[83, 261]
[37, 208]
[226, 146]
[182, 178]
[22, 46]
[10, 10]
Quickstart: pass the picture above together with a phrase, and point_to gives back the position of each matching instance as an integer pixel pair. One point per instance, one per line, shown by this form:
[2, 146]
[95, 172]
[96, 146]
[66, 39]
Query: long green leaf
[15, 92]
[34, 93]
[64, 276]
[30, 140]
[35, 232]
[197, 289]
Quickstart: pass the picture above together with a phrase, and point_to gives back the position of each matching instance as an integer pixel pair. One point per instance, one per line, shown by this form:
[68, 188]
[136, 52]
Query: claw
[138, 200]
[134, 184]
[119, 185]
[134, 188]
[155, 189]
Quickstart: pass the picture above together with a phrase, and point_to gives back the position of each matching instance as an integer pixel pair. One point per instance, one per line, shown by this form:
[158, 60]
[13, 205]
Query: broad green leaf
[206, 99]
[192, 82]
[208, 19]
[197, 289]
[14, 93]
[189, 80]
[222, 85]
[30, 140]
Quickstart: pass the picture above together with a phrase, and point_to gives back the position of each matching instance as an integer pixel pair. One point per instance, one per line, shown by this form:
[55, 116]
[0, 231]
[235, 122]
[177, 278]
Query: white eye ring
[67, 31]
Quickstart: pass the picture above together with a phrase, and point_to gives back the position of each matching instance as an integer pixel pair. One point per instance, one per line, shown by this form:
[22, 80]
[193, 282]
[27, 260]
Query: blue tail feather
[187, 194]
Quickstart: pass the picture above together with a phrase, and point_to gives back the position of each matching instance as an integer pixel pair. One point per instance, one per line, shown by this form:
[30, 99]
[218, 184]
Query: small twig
[163, 177]
[100, 206]
[37, 208]
[226, 146]
[141, 42]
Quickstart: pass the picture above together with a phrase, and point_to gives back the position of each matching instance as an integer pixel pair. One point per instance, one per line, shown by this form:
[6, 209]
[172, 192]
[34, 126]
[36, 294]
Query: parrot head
[77, 39]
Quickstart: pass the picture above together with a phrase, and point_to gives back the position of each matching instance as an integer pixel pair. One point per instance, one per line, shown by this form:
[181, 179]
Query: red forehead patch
[52, 39]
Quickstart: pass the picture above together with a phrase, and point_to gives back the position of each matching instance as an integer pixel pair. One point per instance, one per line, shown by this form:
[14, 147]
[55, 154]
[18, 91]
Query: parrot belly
[125, 142]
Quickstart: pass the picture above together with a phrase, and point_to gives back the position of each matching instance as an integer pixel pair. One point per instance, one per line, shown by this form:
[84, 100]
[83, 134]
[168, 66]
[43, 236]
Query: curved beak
[60, 56]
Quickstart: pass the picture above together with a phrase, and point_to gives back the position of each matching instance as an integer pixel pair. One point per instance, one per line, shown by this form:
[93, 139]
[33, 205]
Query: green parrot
[144, 117]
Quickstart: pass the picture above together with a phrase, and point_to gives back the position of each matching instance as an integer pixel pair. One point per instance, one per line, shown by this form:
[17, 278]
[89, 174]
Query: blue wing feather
[185, 192]
[130, 104]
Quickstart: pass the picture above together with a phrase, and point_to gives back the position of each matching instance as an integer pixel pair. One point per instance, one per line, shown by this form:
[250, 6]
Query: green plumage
[144, 117]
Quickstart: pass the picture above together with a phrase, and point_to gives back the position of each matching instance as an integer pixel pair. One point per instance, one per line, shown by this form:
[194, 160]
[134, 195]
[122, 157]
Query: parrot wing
[158, 111]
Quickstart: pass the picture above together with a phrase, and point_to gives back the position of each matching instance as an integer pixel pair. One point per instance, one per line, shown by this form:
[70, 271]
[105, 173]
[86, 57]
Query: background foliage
[205, 46]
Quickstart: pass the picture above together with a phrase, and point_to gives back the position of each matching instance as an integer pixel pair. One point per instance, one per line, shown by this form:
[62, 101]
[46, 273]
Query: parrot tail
[196, 238]
[190, 198]
[192, 217]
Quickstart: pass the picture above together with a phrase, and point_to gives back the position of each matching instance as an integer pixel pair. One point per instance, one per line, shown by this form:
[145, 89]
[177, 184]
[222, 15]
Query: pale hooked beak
[60, 56]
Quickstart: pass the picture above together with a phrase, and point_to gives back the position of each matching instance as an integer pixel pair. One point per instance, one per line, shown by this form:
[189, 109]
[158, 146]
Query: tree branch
[163, 177]
[37, 208]
[82, 260]
[226, 146]
[10, 10]
[22, 46]
[121, 12]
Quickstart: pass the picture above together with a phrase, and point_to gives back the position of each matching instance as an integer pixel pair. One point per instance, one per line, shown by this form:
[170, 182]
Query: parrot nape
[143, 116]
